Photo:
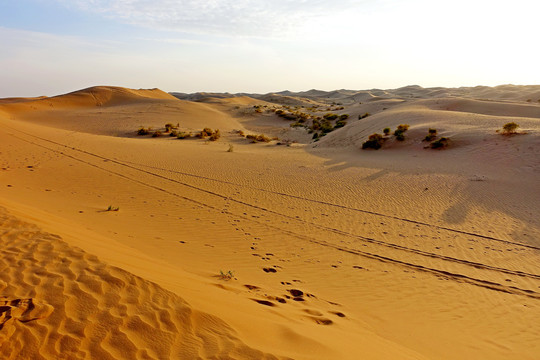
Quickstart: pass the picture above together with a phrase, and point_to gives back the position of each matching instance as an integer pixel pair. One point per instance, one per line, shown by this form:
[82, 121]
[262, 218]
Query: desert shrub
[316, 124]
[296, 124]
[215, 135]
[400, 132]
[226, 275]
[143, 131]
[183, 135]
[374, 141]
[509, 128]
[315, 136]
[439, 144]
[432, 134]
[156, 133]
[173, 133]
[331, 116]
[386, 131]
[169, 127]
[113, 208]
[326, 127]
[344, 117]
[360, 117]
[231, 148]
[258, 138]
[340, 124]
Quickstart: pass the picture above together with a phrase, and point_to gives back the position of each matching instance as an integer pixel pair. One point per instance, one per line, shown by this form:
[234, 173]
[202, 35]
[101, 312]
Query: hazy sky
[48, 47]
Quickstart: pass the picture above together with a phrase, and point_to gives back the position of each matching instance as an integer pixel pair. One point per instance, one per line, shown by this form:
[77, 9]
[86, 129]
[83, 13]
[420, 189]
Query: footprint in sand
[23, 310]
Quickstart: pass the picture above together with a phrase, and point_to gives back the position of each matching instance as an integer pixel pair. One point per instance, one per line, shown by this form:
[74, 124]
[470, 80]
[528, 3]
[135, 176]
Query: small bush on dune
[156, 133]
[400, 132]
[330, 116]
[439, 144]
[169, 127]
[386, 131]
[360, 117]
[258, 138]
[509, 128]
[142, 131]
[344, 117]
[183, 135]
[432, 134]
[215, 135]
[340, 124]
[374, 141]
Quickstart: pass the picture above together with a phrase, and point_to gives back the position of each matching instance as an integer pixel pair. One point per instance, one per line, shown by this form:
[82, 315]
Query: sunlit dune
[281, 238]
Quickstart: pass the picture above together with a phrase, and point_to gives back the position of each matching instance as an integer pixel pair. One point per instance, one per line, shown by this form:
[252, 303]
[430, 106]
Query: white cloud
[258, 18]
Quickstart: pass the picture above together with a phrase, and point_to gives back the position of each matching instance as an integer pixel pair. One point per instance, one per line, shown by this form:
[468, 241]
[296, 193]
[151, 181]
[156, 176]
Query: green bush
[439, 144]
[360, 117]
[374, 141]
[510, 128]
[344, 117]
[400, 132]
[331, 116]
[340, 124]
[386, 131]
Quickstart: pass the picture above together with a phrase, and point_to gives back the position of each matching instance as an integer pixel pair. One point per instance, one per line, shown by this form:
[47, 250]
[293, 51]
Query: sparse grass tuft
[156, 133]
[386, 131]
[231, 148]
[113, 208]
[215, 135]
[226, 275]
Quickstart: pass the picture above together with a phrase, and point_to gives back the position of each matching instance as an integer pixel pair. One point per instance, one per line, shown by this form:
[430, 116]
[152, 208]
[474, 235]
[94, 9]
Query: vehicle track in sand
[79, 154]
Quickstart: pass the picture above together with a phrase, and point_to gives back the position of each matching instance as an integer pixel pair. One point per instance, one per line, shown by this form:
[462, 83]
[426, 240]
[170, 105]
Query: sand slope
[59, 302]
[337, 253]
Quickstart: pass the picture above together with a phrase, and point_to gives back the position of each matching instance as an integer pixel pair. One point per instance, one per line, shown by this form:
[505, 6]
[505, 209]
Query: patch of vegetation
[183, 135]
[231, 148]
[258, 138]
[330, 116]
[374, 141]
[142, 131]
[343, 117]
[156, 133]
[169, 127]
[399, 133]
[360, 117]
[226, 275]
[439, 144]
[340, 124]
[432, 134]
[386, 131]
[113, 208]
[509, 128]
[215, 135]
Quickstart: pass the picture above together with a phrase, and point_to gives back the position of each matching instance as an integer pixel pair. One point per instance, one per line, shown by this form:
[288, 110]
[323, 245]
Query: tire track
[438, 272]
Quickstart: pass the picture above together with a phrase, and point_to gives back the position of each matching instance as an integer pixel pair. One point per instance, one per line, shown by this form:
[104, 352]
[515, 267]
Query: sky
[50, 47]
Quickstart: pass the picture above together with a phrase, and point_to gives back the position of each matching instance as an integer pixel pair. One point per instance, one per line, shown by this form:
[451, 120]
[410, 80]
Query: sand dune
[335, 252]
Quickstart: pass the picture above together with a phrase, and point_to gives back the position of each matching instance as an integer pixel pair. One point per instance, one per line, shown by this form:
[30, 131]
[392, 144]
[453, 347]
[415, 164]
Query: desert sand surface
[119, 246]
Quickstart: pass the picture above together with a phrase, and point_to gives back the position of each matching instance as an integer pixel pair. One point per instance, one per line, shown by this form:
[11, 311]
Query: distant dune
[281, 238]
